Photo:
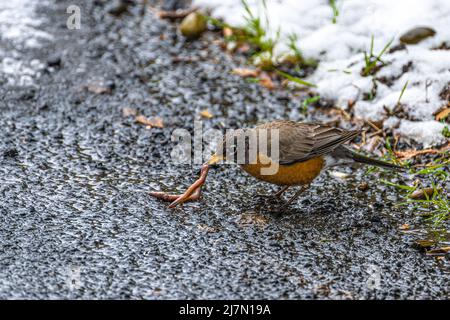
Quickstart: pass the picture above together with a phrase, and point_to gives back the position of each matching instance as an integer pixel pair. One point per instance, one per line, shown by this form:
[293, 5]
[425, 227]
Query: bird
[284, 153]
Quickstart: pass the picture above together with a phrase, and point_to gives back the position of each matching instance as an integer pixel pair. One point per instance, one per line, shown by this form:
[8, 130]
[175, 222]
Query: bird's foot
[264, 196]
[277, 195]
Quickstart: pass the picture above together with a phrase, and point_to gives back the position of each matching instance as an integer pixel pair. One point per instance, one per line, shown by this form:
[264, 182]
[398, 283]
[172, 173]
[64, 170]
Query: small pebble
[54, 61]
[118, 7]
[193, 25]
[11, 153]
[363, 186]
[416, 35]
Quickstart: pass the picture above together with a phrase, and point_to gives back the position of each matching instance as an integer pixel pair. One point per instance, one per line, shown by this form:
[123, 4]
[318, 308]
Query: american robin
[295, 152]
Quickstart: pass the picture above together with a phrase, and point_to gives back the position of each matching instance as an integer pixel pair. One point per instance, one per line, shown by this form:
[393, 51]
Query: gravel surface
[76, 217]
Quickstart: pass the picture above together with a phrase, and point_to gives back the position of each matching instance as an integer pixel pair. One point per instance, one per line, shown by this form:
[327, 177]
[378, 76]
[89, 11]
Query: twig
[408, 154]
[375, 133]
[373, 125]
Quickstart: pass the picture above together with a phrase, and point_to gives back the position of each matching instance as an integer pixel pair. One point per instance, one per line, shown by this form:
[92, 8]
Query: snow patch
[339, 48]
[428, 133]
[19, 23]
[19, 31]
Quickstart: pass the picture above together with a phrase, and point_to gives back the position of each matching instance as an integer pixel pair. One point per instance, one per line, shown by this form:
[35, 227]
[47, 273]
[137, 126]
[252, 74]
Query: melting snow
[19, 31]
[339, 48]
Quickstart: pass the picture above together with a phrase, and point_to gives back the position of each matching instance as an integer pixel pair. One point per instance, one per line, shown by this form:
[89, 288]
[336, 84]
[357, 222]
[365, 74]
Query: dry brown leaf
[98, 88]
[243, 48]
[244, 72]
[206, 114]
[363, 186]
[206, 228]
[266, 81]
[443, 114]
[184, 59]
[285, 83]
[404, 227]
[442, 250]
[425, 243]
[253, 218]
[126, 112]
[372, 144]
[227, 32]
[351, 103]
[408, 154]
[153, 122]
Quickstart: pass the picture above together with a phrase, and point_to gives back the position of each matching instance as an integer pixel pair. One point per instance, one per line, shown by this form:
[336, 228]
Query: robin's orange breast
[287, 175]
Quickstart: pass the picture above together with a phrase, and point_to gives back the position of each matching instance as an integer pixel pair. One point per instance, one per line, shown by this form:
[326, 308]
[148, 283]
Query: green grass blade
[295, 79]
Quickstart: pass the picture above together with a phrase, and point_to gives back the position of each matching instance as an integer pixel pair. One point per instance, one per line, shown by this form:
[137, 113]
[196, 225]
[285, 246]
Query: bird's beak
[215, 159]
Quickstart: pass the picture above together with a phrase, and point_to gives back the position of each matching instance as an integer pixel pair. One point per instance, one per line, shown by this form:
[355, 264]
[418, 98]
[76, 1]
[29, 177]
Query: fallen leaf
[243, 72]
[100, 87]
[408, 154]
[206, 114]
[425, 243]
[363, 186]
[442, 250]
[126, 112]
[206, 228]
[351, 103]
[153, 122]
[404, 227]
[266, 81]
[243, 48]
[253, 218]
[184, 59]
[285, 83]
[227, 32]
[443, 114]
[372, 144]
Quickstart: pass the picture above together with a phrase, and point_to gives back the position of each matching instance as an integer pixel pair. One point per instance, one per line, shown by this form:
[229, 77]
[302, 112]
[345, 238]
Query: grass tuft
[446, 132]
[433, 203]
[372, 61]
[309, 101]
[401, 93]
[335, 10]
[256, 35]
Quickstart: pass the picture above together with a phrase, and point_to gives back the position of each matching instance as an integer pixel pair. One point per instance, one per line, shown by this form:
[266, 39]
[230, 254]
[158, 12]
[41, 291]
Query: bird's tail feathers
[368, 161]
[374, 162]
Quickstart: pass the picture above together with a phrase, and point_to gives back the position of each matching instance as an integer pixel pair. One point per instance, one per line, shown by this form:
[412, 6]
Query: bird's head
[233, 146]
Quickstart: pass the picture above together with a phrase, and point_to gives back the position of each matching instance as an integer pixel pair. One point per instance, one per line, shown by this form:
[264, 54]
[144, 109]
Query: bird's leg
[192, 193]
[280, 192]
[296, 195]
[275, 195]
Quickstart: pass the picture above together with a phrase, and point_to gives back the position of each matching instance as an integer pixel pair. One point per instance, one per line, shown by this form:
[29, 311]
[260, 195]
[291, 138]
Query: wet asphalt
[76, 218]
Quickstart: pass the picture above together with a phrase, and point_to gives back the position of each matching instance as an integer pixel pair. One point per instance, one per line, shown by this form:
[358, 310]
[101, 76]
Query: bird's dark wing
[303, 141]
